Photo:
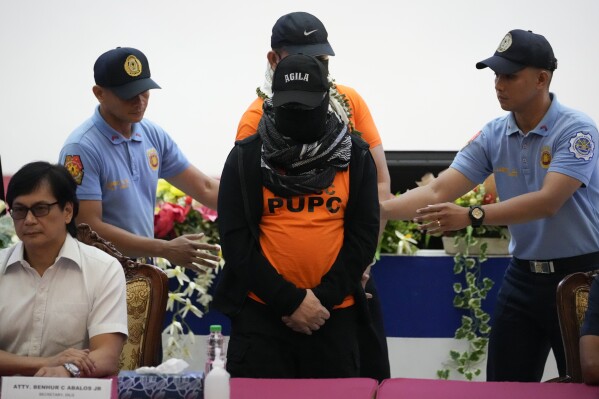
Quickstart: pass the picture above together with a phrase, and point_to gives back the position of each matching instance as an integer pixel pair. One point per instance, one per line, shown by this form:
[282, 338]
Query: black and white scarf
[290, 168]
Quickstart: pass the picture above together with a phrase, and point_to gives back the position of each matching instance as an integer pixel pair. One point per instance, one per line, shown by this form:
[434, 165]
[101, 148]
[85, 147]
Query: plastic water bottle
[216, 340]
[216, 384]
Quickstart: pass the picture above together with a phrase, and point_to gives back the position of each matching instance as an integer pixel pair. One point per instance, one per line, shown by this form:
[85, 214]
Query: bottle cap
[215, 328]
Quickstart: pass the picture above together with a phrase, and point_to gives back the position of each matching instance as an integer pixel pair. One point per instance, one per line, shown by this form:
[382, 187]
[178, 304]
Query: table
[337, 388]
[408, 388]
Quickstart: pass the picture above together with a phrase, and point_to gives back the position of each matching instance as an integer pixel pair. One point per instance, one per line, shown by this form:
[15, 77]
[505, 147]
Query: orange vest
[301, 236]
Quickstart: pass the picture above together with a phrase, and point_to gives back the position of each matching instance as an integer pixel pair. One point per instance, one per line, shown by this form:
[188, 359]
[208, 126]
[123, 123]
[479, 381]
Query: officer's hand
[189, 252]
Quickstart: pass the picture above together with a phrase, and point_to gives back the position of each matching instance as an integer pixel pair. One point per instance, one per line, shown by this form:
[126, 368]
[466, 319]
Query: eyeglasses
[20, 212]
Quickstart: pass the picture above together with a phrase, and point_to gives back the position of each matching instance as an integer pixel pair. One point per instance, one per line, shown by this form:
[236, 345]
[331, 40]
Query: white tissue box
[186, 385]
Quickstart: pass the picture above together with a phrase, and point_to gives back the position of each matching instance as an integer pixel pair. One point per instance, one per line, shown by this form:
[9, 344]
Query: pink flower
[165, 219]
[207, 213]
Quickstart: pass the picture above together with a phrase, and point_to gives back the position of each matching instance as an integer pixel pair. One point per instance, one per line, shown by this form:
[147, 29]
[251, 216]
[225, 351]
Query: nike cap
[124, 71]
[300, 79]
[300, 32]
[519, 49]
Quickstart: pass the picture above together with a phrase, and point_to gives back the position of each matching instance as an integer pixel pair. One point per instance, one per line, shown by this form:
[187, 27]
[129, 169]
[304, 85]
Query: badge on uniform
[582, 146]
[74, 165]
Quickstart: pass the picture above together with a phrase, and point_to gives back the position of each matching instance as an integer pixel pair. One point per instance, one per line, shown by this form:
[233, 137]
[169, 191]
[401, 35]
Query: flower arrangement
[8, 236]
[177, 213]
[400, 237]
[482, 194]
[404, 237]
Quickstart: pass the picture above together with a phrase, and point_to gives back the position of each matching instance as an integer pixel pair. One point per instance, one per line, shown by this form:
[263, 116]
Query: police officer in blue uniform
[543, 157]
[116, 158]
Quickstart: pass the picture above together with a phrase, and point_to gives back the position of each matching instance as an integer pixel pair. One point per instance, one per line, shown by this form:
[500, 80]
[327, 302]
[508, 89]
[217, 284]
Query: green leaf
[474, 303]
[470, 263]
[458, 302]
[485, 329]
[479, 343]
[470, 278]
[454, 355]
[458, 268]
[443, 374]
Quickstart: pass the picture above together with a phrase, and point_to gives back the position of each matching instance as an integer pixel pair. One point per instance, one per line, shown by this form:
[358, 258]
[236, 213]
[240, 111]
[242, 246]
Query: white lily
[162, 263]
[204, 300]
[192, 337]
[191, 287]
[179, 273]
[190, 306]
[406, 243]
[172, 297]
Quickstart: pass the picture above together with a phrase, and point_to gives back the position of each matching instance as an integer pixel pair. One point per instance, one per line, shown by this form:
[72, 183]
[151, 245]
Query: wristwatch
[477, 215]
[74, 370]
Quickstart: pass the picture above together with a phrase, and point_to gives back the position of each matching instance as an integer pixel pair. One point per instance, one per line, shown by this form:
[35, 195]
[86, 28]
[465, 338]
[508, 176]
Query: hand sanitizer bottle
[216, 384]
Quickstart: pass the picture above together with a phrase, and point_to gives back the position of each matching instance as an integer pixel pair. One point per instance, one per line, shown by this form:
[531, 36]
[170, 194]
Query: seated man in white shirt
[63, 308]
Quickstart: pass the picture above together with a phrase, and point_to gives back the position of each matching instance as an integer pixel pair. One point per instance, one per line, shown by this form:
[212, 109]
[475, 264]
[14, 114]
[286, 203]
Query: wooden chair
[572, 303]
[147, 294]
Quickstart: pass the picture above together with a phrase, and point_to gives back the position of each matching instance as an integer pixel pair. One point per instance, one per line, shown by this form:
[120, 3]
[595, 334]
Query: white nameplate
[55, 388]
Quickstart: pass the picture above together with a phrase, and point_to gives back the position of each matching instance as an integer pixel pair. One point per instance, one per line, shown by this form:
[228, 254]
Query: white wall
[409, 357]
[413, 61]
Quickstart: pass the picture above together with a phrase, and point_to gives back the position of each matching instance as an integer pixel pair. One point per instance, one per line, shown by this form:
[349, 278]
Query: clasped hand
[309, 316]
[79, 357]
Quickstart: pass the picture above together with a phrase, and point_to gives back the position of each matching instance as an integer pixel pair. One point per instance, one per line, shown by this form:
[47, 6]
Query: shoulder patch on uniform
[475, 136]
[582, 146]
[74, 165]
[472, 139]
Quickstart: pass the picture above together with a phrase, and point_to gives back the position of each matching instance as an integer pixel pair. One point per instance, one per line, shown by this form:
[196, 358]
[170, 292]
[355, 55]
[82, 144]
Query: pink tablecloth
[342, 388]
[407, 388]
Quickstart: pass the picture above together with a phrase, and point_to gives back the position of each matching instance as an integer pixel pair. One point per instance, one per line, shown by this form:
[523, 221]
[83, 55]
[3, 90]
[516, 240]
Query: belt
[558, 265]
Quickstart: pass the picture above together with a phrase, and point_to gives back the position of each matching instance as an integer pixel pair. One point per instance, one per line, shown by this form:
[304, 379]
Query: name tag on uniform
[55, 388]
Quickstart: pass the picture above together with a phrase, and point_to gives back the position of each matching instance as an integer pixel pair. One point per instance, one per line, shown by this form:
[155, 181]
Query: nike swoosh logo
[309, 33]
